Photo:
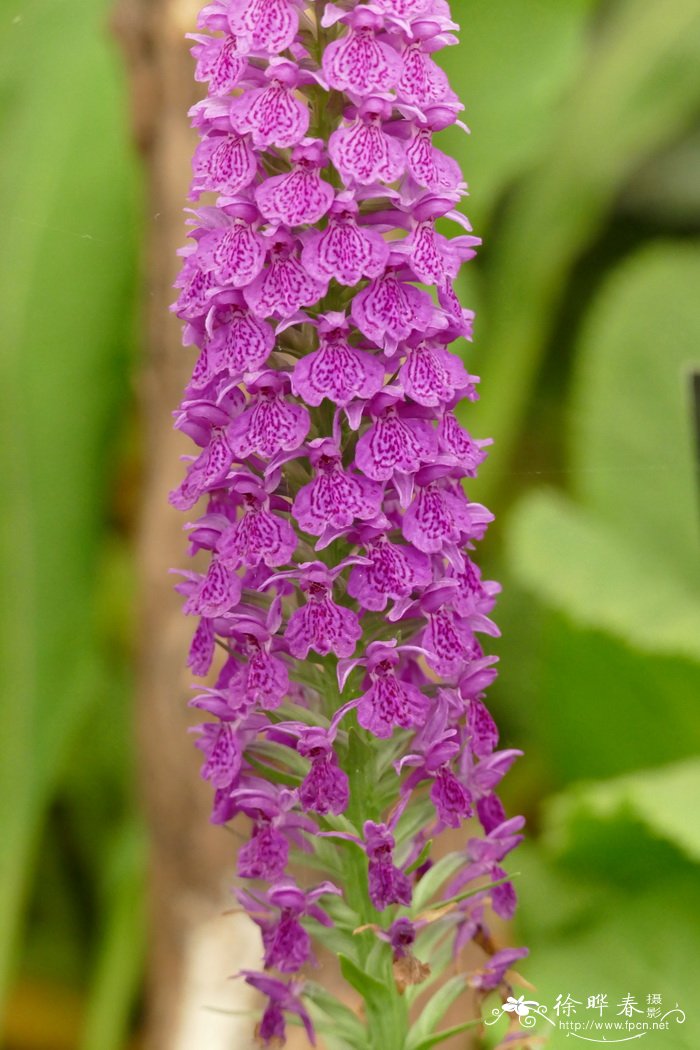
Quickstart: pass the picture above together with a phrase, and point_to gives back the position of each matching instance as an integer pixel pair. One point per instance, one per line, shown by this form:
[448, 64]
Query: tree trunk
[194, 947]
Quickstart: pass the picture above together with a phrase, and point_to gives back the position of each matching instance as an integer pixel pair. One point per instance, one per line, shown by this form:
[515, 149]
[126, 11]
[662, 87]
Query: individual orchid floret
[387, 883]
[422, 82]
[440, 518]
[299, 196]
[497, 969]
[273, 114]
[282, 997]
[229, 247]
[360, 61]
[362, 150]
[344, 250]
[389, 702]
[401, 936]
[236, 340]
[428, 167]
[223, 163]
[335, 497]
[438, 744]
[272, 423]
[284, 286]
[256, 534]
[337, 370]
[397, 441]
[388, 570]
[389, 309]
[320, 623]
[270, 25]
[252, 677]
[221, 61]
[275, 824]
[409, 9]
[279, 913]
[326, 787]
[431, 375]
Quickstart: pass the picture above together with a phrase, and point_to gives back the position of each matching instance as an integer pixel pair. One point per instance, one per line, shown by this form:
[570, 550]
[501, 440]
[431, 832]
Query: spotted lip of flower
[318, 288]
[387, 883]
[326, 787]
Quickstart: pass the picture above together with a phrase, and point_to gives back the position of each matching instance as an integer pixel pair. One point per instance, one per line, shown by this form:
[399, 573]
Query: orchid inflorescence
[347, 720]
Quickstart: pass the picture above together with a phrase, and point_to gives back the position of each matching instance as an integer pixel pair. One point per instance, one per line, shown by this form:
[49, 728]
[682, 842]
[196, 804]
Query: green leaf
[371, 990]
[635, 92]
[66, 185]
[277, 755]
[466, 894]
[632, 448]
[610, 895]
[540, 43]
[346, 1023]
[429, 884]
[412, 821]
[122, 952]
[589, 699]
[437, 951]
[580, 565]
[387, 1013]
[447, 1033]
[663, 800]
[626, 561]
[433, 1011]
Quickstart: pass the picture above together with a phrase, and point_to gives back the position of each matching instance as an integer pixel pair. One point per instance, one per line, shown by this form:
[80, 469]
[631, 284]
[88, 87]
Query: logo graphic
[630, 1020]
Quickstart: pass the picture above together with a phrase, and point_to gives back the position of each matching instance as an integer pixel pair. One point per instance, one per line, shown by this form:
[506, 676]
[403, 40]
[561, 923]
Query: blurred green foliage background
[584, 168]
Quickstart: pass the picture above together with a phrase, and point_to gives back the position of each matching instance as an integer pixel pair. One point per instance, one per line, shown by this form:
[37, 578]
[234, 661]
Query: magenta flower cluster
[346, 713]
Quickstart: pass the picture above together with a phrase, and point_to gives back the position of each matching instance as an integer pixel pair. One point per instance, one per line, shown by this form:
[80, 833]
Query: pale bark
[194, 948]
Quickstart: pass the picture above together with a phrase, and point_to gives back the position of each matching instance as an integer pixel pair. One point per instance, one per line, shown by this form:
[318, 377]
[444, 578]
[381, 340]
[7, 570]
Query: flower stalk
[338, 607]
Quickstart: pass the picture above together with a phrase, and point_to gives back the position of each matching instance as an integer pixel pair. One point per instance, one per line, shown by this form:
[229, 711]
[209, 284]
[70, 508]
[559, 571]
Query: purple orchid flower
[278, 913]
[388, 701]
[335, 497]
[320, 623]
[339, 612]
[336, 370]
[344, 250]
[387, 883]
[282, 998]
[326, 787]
[495, 971]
